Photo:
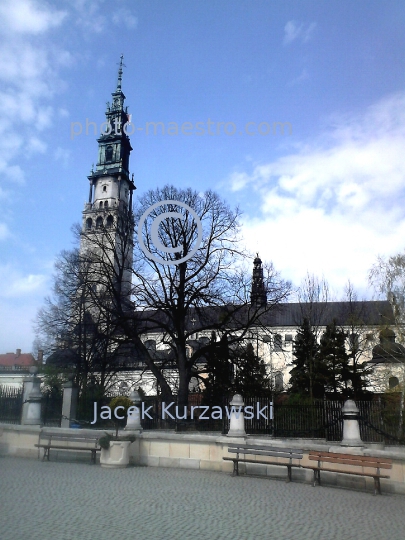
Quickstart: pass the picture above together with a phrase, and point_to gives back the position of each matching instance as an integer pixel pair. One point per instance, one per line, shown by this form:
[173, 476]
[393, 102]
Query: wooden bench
[289, 454]
[352, 464]
[78, 442]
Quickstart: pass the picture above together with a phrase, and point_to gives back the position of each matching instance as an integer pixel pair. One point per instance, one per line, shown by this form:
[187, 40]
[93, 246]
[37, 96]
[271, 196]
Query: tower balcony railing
[96, 206]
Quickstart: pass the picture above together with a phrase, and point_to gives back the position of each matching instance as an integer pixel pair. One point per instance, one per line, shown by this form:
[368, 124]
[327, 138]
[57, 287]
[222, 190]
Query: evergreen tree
[240, 371]
[332, 354]
[359, 371]
[308, 373]
[251, 378]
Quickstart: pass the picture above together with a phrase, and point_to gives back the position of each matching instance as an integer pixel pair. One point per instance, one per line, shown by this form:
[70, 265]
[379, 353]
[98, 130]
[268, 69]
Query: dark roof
[62, 358]
[373, 313]
[369, 313]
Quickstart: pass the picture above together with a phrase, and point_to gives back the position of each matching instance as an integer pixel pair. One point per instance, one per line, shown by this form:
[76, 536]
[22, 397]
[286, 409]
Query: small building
[15, 366]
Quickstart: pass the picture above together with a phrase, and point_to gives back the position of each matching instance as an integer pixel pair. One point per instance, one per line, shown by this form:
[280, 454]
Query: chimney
[18, 353]
[40, 356]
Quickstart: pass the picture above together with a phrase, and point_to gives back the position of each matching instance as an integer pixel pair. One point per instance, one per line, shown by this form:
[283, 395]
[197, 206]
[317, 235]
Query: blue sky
[327, 198]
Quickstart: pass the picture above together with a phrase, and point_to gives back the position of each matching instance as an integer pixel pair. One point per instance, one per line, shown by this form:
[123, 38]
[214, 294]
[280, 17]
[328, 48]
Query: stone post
[237, 423]
[134, 416]
[69, 403]
[32, 396]
[351, 430]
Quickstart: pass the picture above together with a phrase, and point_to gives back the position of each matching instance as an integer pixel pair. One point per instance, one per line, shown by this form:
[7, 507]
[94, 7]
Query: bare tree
[77, 337]
[313, 296]
[176, 298]
[355, 321]
[387, 277]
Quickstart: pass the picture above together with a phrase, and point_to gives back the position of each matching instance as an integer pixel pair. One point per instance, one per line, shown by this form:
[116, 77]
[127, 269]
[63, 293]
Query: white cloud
[303, 76]
[62, 155]
[91, 15]
[35, 145]
[4, 231]
[29, 63]
[20, 285]
[28, 17]
[126, 17]
[294, 30]
[338, 201]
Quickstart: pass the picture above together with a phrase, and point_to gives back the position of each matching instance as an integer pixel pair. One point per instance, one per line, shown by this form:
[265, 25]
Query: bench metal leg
[93, 457]
[317, 477]
[46, 453]
[289, 473]
[235, 468]
[377, 486]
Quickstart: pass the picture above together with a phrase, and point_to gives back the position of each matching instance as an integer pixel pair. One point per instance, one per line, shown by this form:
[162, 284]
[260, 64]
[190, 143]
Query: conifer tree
[251, 378]
[333, 355]
[308, 373]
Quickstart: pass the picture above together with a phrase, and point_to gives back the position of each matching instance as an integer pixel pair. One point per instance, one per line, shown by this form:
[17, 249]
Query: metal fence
[322, 419]
[51, 409]
[379, 419]
[11, 402]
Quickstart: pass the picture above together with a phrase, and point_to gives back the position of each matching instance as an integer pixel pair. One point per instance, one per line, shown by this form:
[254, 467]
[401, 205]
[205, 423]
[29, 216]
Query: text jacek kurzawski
[173, 412]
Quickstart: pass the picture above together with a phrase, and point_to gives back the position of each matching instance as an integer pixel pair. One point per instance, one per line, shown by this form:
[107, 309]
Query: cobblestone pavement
[69, 501]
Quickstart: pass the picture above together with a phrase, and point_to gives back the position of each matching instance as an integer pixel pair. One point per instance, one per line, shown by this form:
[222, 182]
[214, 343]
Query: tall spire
[120, 73]
[258, 296]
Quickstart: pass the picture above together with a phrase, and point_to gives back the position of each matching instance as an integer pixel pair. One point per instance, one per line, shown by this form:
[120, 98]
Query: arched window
[393, 382]
[99, 222]
[106, 204]
[278, 381]
[89, 223]
[278, 342]
[101, 204]
[104, 188]
[354, 342]
[109, 153]
[110, 221]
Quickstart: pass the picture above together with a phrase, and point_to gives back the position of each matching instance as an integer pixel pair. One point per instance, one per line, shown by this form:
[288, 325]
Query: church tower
[109, 208]
[258, 296]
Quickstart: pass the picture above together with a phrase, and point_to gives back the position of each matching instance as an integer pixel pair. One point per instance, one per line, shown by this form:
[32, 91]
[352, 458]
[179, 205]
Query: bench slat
[261, 462]
[349, 461]
[351, 456]
[84, 448]
[270, 454]
[322, 469]
[259, 447]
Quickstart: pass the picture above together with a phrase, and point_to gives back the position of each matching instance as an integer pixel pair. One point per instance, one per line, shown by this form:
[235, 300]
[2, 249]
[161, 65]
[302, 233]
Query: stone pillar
[32, 397]
[237, 423]
[134, 416]
[351, 430]
[69, 404]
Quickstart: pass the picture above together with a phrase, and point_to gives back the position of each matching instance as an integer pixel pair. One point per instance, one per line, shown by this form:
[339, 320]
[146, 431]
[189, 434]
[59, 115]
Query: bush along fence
[323, 419]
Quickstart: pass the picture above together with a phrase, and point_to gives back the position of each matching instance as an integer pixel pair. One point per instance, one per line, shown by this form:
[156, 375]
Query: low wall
[205, 452]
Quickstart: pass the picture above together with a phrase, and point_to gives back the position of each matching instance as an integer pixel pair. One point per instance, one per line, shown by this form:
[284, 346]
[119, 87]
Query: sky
[292, 110]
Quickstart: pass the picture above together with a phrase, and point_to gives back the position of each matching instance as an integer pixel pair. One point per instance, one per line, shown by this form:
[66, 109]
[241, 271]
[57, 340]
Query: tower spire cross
[121, 65]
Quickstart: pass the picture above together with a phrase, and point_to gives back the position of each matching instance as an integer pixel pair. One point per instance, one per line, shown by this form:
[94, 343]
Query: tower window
[89, 223]
[110, 221]
[278, 342]
[278, 381]
[101, 204]
[104, 188]
[105, 204]
[99, 222]
[109, 153]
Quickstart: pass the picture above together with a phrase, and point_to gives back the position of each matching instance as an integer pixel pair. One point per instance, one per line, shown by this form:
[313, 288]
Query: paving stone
[79, 501]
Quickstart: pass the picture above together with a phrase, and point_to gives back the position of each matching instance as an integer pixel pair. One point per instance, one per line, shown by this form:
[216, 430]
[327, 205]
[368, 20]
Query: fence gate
[11, 402]
[51, 409]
